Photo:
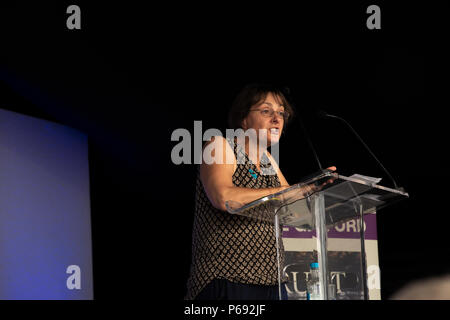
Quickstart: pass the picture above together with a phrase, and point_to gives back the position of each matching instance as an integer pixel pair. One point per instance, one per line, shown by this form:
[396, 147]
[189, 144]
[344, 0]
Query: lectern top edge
[374, 185]
[233, 207]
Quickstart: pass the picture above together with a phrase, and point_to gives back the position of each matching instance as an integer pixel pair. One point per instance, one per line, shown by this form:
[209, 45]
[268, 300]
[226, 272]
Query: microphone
[323, 114]
[308, 139]
[287, 92]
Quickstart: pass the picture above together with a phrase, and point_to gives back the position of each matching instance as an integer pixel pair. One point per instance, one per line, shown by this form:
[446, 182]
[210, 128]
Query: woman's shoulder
[218, 150]
[218, 141]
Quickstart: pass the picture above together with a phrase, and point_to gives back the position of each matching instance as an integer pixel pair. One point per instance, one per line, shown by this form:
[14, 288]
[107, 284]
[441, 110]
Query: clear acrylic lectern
[318, 204]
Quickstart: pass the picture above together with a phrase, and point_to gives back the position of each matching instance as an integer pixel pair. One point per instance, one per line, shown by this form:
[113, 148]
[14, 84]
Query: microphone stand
[324, 114]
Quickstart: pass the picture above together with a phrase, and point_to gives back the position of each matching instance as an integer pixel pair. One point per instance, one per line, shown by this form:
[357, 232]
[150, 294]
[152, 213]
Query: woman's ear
[244, 124]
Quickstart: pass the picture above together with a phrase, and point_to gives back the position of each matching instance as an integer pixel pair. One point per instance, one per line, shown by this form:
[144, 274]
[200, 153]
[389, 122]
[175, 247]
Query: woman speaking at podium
[235, 257]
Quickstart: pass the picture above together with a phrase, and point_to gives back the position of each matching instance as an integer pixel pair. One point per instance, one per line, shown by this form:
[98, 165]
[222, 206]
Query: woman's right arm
[217, 177]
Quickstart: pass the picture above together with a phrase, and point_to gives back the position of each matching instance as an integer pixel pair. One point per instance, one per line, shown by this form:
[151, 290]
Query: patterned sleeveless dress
[235, 248]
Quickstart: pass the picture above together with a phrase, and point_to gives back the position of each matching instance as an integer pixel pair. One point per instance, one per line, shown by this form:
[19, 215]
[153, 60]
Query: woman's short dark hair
[251, 95]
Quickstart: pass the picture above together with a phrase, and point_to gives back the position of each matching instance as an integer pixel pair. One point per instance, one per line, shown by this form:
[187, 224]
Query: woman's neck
[254, 150]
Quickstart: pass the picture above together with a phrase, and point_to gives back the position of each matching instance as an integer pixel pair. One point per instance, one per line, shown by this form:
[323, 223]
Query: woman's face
[263, 116]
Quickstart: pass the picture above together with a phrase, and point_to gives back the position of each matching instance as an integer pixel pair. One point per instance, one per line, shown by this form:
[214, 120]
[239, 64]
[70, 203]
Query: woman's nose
[275, 118]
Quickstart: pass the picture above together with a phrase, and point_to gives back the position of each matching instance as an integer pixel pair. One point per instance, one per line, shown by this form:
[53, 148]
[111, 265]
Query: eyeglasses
[268, 113]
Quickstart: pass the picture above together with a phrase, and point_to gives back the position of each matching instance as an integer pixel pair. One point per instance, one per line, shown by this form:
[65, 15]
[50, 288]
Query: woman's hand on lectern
[332, 179]
[311, 188]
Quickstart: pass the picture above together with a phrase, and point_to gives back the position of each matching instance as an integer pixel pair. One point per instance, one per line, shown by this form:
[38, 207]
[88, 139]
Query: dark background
[133, 74]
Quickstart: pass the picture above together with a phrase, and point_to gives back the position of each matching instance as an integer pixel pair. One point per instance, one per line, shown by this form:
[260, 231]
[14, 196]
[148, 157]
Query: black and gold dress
[235, 248]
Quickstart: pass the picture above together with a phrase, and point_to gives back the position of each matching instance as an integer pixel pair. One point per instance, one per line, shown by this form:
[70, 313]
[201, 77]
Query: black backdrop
[134, 74]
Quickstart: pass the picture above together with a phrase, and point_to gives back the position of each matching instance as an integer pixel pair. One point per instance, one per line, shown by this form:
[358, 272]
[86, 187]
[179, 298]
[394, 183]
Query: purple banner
[346, 230]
